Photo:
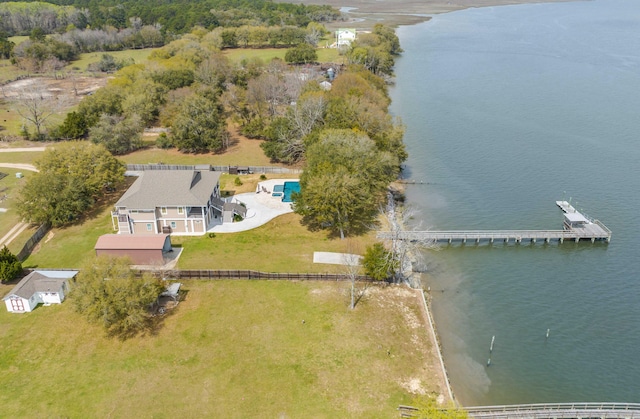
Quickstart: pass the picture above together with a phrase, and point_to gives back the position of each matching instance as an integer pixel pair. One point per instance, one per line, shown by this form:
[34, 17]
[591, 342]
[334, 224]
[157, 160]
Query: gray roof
[40, 281]
[165, 188]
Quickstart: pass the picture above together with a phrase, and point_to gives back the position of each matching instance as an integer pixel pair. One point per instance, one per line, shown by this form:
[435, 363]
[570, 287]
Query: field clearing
[325, 55]
[138, 55]
[231, 349]
[243, 152]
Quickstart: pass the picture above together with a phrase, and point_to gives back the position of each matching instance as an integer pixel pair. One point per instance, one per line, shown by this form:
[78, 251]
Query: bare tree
[404, 253]
[37, 105]
[351, 263]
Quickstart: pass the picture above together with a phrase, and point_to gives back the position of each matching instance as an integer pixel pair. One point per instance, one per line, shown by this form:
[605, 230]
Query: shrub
[263, 177]
[10, 266]
[237, 181]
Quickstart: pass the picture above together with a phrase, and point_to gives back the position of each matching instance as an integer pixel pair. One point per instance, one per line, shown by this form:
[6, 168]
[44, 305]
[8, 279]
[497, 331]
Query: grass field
[281, 245]
[231, 349]
[138, 56]
[26, 157]
[9, 186]
[325, 55]
[245, 152]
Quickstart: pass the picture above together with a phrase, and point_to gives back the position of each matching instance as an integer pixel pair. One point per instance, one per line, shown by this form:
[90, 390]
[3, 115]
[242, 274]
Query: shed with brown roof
[141, 249]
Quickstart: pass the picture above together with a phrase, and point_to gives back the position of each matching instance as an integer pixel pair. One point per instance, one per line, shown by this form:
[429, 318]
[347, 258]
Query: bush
[164, 141]
[212, 235]
[263, 177]
[237, 181]
[10, 266]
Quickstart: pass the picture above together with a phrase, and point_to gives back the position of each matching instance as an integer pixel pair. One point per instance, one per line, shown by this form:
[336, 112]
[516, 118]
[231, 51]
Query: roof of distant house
[131, 241]
[40, 281]
[166, 188]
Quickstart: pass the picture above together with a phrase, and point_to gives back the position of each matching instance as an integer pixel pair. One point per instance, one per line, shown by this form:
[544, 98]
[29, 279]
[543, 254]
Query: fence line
[249, 274]
[33, 240]
[252, 169]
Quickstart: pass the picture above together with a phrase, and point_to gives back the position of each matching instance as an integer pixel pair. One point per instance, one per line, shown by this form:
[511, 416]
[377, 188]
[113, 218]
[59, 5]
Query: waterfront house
[344, 37]
[181, 202]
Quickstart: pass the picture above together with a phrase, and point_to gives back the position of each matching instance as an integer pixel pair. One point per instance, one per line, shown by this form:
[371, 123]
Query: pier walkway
[546, 411]
[577, 227]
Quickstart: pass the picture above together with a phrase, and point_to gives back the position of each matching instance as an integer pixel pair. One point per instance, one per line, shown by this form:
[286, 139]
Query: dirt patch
[413, 386]
[69, 90]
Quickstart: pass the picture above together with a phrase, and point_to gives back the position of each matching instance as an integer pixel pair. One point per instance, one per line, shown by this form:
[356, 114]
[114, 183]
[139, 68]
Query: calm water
[509, 109]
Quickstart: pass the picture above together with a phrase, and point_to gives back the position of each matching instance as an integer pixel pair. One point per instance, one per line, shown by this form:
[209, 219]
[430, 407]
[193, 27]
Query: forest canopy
[172, 16]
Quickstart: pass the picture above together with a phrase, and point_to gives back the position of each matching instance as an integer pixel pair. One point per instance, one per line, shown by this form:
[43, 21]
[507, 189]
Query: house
[142, 249]
[182, 202]
[39, 287]
[344, 37]
[325, 85]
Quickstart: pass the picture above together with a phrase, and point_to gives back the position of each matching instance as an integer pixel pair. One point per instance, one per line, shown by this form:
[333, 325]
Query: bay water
[507, 110]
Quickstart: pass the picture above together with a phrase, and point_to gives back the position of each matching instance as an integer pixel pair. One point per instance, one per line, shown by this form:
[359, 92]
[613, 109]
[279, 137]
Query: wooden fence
[252, 169]
[248, 274]
[33, 240]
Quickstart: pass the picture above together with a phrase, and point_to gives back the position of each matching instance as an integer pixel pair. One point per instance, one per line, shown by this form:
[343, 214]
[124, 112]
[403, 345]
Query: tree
[71, 178]
[335, 201]
[73, 127]
[118, 134]
[344, 182]
[10, 266]
[37, 105]
[6, 46]
[301, 54]
[378, 262]
[351, 263]
[108, 293]
[199, 127]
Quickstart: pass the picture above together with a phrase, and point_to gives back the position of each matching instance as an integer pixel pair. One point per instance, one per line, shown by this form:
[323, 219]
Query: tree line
[173, 16]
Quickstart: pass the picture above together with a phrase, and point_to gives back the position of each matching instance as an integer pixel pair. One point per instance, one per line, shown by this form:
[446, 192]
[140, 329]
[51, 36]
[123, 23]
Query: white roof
[575, 217]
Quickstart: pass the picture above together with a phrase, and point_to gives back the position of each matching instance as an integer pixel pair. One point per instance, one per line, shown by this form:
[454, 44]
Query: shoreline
[366, 13]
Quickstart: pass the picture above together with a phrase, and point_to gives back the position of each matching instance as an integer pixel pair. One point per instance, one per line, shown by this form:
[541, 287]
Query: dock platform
[576, 227]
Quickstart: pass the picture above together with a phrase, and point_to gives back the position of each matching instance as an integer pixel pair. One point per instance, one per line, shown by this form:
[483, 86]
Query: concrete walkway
[20, 149]
[22, 166]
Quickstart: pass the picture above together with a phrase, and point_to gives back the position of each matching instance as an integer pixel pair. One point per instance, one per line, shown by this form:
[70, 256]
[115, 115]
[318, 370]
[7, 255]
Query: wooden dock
[577, 226]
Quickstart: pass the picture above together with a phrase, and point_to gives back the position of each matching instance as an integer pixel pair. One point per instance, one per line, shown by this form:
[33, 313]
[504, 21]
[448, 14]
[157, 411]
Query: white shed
[39, 287]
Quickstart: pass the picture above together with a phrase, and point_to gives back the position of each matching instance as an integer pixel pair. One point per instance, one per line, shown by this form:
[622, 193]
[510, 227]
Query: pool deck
[261, 208]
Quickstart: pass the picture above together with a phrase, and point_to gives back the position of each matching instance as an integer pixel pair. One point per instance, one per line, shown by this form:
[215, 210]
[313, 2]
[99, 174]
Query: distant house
[39, 287]
[141, 249]
[182, 202]
[344, 37]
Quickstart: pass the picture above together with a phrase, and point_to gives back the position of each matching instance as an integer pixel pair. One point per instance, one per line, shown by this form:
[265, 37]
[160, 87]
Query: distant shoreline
[366, 13]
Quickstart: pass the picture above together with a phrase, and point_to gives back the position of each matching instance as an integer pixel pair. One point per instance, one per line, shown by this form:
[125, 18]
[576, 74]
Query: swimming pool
[289, 188]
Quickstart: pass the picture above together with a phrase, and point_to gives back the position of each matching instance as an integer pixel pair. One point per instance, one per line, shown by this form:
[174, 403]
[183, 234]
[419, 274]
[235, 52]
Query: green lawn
[325, 55]
[138, 56]
[244, 152]
[281, 245]
[232, 349]
[9, 186]
[25, 157]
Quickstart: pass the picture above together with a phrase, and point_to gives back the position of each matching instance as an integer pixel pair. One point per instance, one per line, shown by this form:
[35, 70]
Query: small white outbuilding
[39, 287]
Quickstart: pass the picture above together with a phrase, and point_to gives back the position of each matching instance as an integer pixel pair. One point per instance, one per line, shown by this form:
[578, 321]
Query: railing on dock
[584, 229]
[546, 411]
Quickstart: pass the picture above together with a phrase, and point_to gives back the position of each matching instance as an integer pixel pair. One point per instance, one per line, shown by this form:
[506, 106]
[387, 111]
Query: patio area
[262, 207]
